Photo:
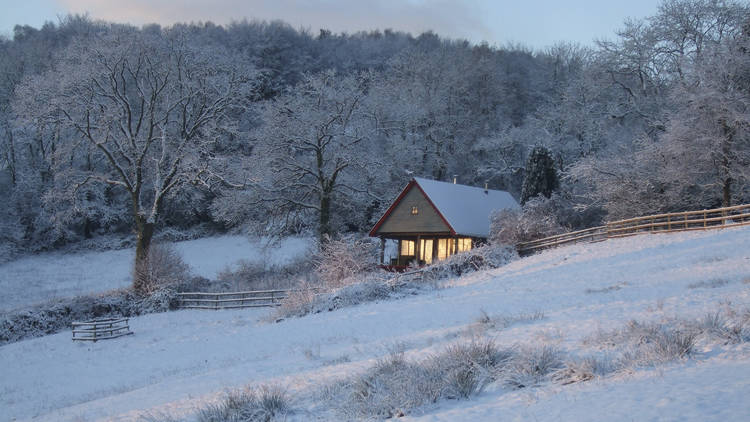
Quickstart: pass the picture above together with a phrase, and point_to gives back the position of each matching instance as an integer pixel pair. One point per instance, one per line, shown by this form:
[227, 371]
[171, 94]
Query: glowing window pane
[464, 244]
[425, 251]
[407, 248]
[442, 249]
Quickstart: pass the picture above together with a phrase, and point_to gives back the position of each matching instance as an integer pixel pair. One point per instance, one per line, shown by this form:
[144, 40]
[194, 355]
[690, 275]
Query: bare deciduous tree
[314, 148]
[140, 112]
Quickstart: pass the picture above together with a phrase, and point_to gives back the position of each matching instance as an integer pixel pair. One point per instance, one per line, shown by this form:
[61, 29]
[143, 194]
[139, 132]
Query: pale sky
[534, 23]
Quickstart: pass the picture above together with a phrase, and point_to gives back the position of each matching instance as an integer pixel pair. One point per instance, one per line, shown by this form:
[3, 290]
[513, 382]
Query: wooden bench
[101, 329]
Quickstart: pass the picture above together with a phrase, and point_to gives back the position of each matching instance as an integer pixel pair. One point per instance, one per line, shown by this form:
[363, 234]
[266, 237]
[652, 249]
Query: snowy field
[52, 275]
[179, 361]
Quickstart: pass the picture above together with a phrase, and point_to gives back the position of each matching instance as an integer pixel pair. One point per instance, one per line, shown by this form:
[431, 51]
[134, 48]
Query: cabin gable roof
[464, 210]
[398, 219]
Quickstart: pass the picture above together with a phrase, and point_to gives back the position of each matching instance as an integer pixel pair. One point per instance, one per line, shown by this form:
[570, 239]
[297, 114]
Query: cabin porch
[423, 249]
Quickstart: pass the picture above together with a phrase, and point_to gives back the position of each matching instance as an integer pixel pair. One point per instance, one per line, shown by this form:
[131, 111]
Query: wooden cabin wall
[401, 219]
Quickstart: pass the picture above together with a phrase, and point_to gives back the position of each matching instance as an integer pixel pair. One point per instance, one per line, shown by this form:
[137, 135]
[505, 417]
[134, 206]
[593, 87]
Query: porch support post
[382, 250]
[416, 249]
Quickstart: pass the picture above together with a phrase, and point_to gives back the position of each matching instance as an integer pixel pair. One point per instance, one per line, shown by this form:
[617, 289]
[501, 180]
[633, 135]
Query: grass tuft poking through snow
[533, 366]
[395, 386]
[710, 284]
[249, 405]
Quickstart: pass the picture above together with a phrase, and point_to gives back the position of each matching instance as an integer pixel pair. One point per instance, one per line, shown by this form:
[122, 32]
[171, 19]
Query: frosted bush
[533, 366]
[395, 386]
[586, 369]
[481, 258]
[249, 405]
[253, 275]
[366, 288]
[164, 268]
[537, 219]
[340, 260]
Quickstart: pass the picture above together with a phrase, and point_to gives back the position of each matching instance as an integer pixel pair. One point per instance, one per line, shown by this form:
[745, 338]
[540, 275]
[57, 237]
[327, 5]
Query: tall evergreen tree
[541, 175]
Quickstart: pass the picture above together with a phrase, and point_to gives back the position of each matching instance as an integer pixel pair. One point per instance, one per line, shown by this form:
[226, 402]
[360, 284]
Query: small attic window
[414, 210]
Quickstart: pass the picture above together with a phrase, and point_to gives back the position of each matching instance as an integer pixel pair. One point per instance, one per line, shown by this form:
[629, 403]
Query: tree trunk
[726, 191]
[144, 234]
[324, 224]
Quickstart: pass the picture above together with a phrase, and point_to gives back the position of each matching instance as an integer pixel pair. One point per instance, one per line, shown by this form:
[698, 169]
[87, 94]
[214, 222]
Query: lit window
[464, 244]
[425, 251]
[407, 248]
[414, 210]
[442, 249]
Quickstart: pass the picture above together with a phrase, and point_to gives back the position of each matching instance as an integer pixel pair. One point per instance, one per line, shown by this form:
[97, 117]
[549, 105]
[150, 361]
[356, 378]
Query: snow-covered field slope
[178, 361]
[51, 275]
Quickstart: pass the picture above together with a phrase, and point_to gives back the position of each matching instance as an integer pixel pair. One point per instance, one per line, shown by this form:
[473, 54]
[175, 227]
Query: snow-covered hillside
[179, 361]
[52, 275]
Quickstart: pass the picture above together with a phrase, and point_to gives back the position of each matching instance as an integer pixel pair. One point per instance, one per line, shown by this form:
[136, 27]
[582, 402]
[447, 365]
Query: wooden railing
[234, 300]
[592, 234]
[101, 329]
[738, 215]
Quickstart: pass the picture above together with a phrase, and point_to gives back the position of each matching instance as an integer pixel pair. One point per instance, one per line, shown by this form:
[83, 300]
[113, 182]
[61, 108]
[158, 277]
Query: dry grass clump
[709, 284]
[395, 386]
[249, 405]
[642, 344]
[532, 366]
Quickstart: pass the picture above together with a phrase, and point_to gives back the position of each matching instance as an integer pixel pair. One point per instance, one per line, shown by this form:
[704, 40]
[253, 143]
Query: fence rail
[234, 300]
[738, 215]
[101, 329]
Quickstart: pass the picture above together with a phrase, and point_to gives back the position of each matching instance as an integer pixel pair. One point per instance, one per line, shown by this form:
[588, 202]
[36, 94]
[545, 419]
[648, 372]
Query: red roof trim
[403, 193]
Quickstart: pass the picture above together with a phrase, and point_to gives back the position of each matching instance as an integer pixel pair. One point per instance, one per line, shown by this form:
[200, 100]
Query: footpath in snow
[179, 361]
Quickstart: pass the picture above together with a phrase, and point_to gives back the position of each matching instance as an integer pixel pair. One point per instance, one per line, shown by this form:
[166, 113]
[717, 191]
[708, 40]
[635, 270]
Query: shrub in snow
[340, 260]
[648, 344]
[164, 268]
[367, 286]
[249, 405]
[537, 219]
[732, 328]
[532, 366]
[586, 369]
[253, 275]
[481, 258]
[363, 288]
[394, 386]
[467, 368]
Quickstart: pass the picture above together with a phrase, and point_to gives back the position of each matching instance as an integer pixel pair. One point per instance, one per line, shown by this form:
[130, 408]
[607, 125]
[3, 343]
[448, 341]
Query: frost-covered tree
[707, 140]
[141, 113]
[314, 151]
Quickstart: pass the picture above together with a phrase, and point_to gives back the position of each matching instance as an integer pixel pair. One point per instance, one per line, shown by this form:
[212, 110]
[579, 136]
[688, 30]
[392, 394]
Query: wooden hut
[433, 220]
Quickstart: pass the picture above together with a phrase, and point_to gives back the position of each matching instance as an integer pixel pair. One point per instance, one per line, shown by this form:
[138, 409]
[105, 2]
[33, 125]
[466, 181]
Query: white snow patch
[179, 361]
[50, 275]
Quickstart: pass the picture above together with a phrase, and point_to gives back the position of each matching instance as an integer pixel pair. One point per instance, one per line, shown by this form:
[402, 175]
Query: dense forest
[112, 129]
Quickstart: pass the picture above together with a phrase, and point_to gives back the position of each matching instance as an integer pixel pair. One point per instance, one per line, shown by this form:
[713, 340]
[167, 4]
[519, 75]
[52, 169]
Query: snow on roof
[467, 209]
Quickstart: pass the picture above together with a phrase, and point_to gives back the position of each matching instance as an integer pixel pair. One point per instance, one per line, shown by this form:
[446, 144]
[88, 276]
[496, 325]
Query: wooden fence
[101, 329]
[249, 299]
[738, 215]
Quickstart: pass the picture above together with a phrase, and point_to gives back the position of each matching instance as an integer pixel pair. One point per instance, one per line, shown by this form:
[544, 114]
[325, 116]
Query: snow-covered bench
[101, 329]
